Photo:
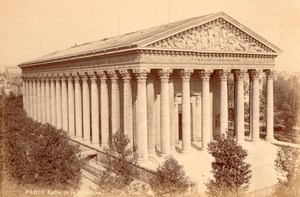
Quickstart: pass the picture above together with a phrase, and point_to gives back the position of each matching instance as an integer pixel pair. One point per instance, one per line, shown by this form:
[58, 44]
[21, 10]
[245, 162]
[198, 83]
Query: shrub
[287, 165]
[171, 179]
[231, 173]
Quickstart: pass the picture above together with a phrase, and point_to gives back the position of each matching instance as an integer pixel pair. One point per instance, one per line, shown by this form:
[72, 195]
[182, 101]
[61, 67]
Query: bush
[37, 155]
[119, 164]
[170, 180]
[287, 165]
[231, 173]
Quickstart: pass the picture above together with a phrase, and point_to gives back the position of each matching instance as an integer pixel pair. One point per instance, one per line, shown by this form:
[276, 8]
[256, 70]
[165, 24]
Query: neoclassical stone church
[164, 87]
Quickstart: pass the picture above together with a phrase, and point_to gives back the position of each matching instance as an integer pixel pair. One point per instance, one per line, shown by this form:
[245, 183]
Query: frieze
[221, 59]
[215, 35]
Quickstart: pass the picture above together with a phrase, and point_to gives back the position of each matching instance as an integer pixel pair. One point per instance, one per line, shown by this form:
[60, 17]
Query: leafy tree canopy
[231, 173]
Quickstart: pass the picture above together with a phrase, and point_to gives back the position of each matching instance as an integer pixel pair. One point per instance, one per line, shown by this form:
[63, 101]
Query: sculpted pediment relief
[217, 35]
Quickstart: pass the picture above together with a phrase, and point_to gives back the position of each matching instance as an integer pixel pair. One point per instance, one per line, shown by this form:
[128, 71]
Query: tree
[37, 155]
[287, 165]
[231, 173]
[170, 179]
[286, 101]
[119, 164]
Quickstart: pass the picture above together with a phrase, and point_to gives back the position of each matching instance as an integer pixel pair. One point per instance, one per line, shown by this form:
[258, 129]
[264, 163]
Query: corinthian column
[254, 115]
[223, 75]
[58, 102]
[240, 113]
[64, 103]
[71, 106]
[164, 76]
[78, 106]
[127, 106]
[38, 99]
[24, 92]
[270, 114]
[43, 99]
[35, 111]
[115, 102]
[186, 109]
[53, 103]
[150, 116]
[31, 98]
[104, 109]
[205, 117]
[141, 117]
[95, 109]
[48, 100]
[86, 108]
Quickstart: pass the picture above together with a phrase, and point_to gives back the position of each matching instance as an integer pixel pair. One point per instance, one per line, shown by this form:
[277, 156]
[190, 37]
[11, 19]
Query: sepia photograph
[150, 98]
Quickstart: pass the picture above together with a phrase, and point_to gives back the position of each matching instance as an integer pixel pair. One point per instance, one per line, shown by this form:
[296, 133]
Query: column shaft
[127, 105]
[240, 113]
[104, 110]
[186, 110]
[115, 103]
[58, 104]
[205, 116]
[270, 113]
[35, 112]
[150, 116]
[164, 112]
[254, 115]
[71, 106]
[223, 102]
[38, 98]
[53, 103]
[95, 110]
[141, 118]
[64, 104]
[43, 100]
[78, 107]
[171, 111]
[48, 101]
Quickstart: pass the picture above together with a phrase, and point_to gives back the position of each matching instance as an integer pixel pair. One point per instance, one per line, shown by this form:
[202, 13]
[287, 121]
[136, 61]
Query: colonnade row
[78, 104]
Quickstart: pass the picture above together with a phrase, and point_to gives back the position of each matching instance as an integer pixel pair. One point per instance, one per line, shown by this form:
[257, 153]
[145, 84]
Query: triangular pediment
[215, 35]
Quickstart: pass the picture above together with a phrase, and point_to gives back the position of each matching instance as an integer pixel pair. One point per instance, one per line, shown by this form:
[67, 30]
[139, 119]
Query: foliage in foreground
[170, 180]
[37, 156]
[119, 165]
[231, 173]
[287, 165]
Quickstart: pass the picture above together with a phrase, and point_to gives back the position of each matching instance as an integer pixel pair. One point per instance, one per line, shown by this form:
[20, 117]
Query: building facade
[164, 86]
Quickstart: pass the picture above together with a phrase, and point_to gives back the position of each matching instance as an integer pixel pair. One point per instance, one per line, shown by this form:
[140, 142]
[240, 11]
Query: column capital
[164, 74]
[270, 73]
[255, 74]
[93, 76]
[205, 74]
[84, 76]
[75, 76]
[126, 75]
[113, 75]
[141, 74]
[102, 75]
[223, 74]
[186, 74]
[240, 74]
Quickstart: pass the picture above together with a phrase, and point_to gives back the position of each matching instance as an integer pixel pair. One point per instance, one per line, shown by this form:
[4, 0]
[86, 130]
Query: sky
[30, 29]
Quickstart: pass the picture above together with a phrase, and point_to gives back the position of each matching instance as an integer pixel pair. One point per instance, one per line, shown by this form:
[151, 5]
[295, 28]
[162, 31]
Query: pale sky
[32, 28]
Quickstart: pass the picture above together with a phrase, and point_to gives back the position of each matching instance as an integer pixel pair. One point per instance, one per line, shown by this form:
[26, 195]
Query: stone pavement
[261, 156]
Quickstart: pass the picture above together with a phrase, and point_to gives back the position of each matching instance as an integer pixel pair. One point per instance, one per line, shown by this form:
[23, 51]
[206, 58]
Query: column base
[271, 139]
[142, 161]
[186, 150]
[152, 152]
